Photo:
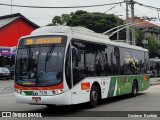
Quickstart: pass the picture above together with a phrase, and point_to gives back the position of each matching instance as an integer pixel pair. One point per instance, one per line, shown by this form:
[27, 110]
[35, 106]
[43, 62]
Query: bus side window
[78, 62]
[146, 63]
[108, 63]
[74, 58]
[116, 61]
[90, 59]
[98, 66]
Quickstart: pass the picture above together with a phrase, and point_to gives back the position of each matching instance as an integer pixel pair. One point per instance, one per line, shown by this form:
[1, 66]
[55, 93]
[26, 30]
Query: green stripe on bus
[124, 84]
[28, 92]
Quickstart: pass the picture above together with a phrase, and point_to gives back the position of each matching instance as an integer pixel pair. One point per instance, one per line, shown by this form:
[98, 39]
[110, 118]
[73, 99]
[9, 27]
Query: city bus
[154, 64]
[62, 65]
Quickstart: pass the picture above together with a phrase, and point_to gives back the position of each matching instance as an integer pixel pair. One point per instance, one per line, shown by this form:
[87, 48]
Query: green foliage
[60, 20]
[139, 37]
[101, 22]
[98, 22]
[153, 47]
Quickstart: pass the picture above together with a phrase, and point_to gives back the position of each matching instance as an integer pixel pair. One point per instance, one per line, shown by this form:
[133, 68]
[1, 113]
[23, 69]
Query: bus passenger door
[78, 74]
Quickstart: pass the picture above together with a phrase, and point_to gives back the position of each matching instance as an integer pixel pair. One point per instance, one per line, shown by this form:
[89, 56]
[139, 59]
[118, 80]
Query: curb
[155, 83]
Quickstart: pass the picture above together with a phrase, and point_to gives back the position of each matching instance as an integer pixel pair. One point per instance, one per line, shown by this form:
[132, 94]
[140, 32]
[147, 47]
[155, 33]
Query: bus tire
[51, 106]
[94, 96]
[134, 89]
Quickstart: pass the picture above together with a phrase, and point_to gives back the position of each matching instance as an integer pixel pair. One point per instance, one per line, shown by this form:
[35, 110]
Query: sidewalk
[154, 81]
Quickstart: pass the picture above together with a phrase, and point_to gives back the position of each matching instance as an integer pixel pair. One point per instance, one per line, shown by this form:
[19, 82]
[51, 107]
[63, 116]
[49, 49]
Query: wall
[10, 34]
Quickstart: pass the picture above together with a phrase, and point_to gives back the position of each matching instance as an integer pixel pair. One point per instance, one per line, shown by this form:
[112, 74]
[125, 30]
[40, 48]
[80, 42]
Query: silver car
[4, 73]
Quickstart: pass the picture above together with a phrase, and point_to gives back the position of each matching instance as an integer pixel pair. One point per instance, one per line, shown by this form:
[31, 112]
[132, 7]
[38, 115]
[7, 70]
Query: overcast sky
[44, 16]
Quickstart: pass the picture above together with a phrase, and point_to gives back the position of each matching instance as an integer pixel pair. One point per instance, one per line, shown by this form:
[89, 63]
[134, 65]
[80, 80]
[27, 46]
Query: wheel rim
[94, 95]
[135, 90]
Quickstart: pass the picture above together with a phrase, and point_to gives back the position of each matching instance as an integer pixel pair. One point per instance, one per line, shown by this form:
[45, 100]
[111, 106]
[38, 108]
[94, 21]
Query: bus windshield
[39, 65]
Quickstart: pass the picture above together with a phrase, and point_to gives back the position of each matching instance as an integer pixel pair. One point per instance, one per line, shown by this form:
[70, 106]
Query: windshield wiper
[49, 54]
[30, 54]
[30, 58]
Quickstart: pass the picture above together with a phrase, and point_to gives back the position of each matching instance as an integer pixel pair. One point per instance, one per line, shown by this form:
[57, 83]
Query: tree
[60, 20]
[139, 37]
[98, 22]
[101, 22]
[153, 47]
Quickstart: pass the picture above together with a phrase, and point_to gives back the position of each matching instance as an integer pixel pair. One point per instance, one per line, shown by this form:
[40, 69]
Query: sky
[43, 17]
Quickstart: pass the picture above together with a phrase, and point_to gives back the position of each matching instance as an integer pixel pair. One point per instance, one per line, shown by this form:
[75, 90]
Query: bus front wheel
[94, 96]
[134, 89]
[51, 106]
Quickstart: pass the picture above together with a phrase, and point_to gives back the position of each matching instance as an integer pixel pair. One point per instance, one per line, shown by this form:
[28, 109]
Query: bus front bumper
[61, 99]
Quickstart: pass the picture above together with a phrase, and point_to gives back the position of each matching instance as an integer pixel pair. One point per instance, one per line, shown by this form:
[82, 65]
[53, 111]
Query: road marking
[7, 88]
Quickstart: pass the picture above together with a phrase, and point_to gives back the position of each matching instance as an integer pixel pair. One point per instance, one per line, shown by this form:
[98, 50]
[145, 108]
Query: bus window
[146, 63]
[78, 61]
[116, 61]
[41, 66]
[141, 62]
[90, 59]
[108, 65]
[100, 60]
[98, 64]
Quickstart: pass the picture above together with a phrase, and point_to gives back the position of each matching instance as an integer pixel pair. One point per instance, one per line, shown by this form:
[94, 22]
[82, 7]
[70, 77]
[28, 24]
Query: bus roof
[154, 59]
[82, 33]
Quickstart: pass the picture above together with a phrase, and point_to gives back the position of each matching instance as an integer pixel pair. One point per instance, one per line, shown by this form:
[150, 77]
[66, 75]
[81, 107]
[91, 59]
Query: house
[150, 29]
[14, 26]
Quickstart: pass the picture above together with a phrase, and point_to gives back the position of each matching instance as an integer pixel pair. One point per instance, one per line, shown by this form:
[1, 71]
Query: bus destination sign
[43, 40]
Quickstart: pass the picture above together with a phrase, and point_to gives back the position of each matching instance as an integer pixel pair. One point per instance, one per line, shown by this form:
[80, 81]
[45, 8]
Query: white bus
[61, 65]
[154, 64]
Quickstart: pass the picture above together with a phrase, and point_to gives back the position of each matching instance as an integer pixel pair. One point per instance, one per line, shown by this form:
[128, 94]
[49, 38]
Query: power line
[124, 9]
[60, 7]
[139, 11]
[111, 8]
[151, 7]
[148, 6]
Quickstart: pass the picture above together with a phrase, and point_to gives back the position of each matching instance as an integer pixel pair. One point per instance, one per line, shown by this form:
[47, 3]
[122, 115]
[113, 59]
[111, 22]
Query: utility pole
[133, 27]
[127, 21]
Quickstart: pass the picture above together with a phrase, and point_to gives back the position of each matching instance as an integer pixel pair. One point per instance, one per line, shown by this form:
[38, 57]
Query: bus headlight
[57, 91]
[18, 91]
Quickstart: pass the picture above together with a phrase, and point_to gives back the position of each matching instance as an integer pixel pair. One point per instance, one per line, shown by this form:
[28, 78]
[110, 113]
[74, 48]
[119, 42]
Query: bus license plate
[39, 93]
[36, 99]
[42, 92]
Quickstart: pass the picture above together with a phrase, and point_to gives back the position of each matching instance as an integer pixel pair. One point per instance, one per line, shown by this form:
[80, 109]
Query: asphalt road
[148, 100]
[6, 86]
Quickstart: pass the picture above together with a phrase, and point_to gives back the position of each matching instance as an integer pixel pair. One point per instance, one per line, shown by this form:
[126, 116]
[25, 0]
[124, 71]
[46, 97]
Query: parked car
[4, 73]
[11, 69]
